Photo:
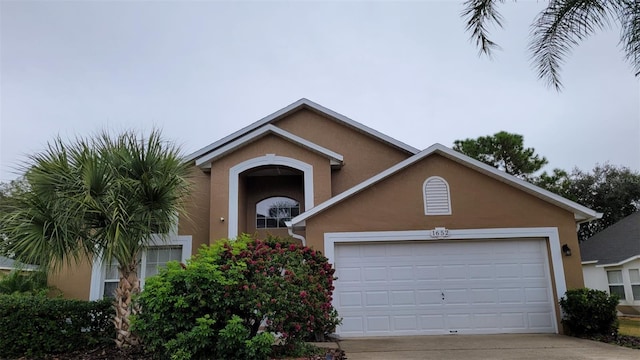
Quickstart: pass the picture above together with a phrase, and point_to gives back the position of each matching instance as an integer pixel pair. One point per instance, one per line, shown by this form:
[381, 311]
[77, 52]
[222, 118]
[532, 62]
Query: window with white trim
[274, 211]
[616, 286]
[437, 200]
[149, 263]
[634, 277]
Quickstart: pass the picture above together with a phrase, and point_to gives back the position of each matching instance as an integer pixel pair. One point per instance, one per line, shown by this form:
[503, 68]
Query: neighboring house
[611, 262]
[8, 265]
[423, 242]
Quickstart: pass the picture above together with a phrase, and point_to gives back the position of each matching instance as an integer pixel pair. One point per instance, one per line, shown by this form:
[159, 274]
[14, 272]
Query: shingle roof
[9, 264]
[615, 244]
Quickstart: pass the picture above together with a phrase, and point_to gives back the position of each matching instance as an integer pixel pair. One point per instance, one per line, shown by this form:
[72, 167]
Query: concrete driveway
[452, 347]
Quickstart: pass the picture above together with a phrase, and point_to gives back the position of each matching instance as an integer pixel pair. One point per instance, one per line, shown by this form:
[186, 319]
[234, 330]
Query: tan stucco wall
[74, 282]
[196, 222]
[269, 144]
[363, 155]
[477, 201]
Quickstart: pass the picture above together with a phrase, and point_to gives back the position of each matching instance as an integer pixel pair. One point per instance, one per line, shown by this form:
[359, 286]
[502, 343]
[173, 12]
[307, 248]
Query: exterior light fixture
[566, 250]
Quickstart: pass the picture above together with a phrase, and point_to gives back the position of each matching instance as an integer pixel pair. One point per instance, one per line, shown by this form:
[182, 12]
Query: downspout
[295, 236]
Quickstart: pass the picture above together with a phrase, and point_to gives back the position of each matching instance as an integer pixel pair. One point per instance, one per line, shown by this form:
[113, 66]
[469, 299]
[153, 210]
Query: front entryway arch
[267, 160]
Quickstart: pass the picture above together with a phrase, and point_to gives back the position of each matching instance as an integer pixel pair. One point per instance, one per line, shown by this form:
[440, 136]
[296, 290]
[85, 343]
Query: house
[423, 242]
[8, 265]
[611, 262]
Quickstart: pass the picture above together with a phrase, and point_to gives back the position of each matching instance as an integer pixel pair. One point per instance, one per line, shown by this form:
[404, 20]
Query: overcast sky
[201, 70]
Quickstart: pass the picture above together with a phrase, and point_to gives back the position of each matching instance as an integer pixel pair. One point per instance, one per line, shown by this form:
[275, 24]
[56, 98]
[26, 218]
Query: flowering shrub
[216, 304]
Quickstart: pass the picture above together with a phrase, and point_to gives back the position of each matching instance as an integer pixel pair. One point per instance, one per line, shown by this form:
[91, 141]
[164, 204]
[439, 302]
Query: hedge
[33, 326]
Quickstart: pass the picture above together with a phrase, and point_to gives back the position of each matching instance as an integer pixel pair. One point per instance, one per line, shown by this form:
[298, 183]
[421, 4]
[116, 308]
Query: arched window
[274, 211]
[437, 200]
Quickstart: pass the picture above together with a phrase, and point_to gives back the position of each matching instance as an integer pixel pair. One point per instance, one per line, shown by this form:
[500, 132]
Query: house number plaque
[439, 233]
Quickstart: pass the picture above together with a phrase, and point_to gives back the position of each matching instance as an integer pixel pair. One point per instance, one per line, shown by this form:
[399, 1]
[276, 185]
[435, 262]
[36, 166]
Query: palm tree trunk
[128, 286]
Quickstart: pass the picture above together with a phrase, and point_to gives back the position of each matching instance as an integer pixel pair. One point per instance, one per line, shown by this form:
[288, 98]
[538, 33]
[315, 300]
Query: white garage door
[423, 288]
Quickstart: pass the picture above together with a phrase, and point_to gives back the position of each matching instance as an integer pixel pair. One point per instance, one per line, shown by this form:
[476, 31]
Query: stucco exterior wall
[363, 155]
[74, 282]
[477, 201]
[596, 278]
[196, 222]
[269, 144]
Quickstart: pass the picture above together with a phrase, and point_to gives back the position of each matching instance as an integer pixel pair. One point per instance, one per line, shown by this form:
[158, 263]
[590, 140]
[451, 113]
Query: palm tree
[559, 27]
[105, 196]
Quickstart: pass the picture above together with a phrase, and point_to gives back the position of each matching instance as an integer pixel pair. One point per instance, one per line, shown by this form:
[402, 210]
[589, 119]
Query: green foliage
[102, 196]
[589, 312]
[33, 326]
[558, 28]
[504, 151]
[28, 283]
[215, 305]
[613, 191]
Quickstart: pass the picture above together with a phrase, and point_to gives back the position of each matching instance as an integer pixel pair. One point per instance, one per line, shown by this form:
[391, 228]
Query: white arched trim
[437, 199]
[269, 159]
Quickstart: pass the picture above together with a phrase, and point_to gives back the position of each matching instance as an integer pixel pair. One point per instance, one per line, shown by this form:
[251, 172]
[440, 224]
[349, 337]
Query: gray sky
[201, 70]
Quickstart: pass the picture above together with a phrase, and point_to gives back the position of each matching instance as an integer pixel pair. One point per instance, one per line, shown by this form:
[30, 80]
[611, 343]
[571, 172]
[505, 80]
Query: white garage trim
[551, 233]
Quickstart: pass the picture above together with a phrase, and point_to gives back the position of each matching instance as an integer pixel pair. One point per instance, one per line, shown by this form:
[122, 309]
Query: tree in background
[612, 190]
[558, 28]
[504, 151]
[8, 194]
[104, 196]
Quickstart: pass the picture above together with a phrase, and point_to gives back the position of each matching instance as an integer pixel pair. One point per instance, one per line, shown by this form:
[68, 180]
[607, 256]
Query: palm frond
[479, 14]
[561, 26]
[629, 16]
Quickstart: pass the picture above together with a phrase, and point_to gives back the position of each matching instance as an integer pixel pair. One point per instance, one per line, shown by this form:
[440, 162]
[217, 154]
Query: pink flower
[303, 294]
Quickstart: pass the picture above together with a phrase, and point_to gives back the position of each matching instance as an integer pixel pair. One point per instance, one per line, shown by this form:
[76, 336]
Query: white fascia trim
[636, 257]
[580, 212]
[269, 159]
[17, 269]
[590, 262]
[97, 268]
[551, 233]
[361, 127]
[205, 161]
[284, 111]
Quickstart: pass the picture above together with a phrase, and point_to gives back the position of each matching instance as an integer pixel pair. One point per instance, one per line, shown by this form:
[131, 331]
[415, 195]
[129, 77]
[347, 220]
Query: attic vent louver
[436, 196]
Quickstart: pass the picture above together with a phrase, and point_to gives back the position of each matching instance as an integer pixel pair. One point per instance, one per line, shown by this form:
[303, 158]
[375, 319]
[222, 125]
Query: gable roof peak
[302, 103]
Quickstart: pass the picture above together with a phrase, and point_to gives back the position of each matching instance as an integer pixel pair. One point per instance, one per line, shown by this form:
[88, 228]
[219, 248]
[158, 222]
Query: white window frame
[634, 283]
[621, 283]
[424, 196]
[98, 270]
[295, 204]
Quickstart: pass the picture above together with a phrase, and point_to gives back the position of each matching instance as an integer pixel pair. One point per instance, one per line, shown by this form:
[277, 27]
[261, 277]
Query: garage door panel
[376, 298]
[402, 293]
[539, 320]
[403, 297]
[514, 295]
[348, 299]
[535, 295]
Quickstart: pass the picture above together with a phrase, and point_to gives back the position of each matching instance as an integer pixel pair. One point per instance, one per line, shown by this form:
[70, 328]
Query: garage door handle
[442, 295]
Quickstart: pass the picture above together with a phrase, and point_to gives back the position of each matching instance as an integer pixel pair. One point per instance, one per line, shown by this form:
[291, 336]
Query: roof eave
[302, 103]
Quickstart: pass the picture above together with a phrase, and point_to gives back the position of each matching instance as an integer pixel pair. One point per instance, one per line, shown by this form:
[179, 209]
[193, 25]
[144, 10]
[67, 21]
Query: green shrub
[590, 312]
[214, 306]
[33, 326]
[22, 282]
